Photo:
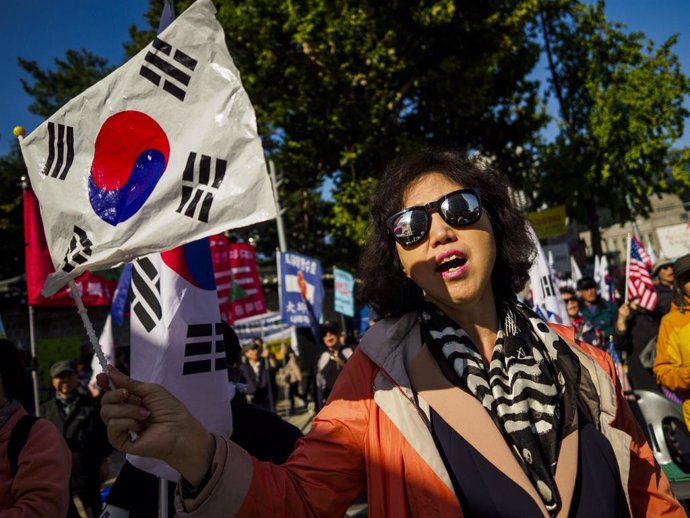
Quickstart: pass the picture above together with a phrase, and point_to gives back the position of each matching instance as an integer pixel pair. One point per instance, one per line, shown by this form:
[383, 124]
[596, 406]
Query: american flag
[640, 284]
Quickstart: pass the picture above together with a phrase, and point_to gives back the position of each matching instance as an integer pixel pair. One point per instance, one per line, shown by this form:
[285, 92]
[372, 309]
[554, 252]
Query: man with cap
[672, 361]
[662, 274]
[258, 370]
[77, 417]
[599, 312]
[331, 361]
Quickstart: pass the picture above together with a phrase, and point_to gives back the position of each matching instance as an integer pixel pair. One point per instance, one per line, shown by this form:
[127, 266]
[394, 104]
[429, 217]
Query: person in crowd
[601, 313]
[258, 373]
[35, 461]
[330, 362]
[584, 330]
[76, 416]
[672, 362]
[662, 275]
[292, 375]
[635, 327]
[416, 416]
[308, 352]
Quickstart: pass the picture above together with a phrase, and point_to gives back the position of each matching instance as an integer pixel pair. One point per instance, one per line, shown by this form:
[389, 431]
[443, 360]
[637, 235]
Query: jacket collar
[395, 345]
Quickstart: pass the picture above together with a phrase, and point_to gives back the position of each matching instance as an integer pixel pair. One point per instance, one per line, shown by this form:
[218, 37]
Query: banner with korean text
[301, 290]
[237, 279]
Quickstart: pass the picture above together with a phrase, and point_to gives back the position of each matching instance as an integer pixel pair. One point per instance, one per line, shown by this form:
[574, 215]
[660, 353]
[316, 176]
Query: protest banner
[237, 279]
[301, 291]
[674, 240]
[344, 297]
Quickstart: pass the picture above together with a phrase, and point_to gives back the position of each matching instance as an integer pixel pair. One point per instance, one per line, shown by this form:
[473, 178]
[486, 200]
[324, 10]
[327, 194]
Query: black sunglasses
[458, 208]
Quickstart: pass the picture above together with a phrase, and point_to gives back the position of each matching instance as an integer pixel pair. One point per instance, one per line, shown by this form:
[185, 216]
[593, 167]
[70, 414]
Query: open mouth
[451, 263]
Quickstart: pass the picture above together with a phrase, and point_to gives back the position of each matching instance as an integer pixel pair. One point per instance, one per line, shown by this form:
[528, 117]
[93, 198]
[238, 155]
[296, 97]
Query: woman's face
[451, 265]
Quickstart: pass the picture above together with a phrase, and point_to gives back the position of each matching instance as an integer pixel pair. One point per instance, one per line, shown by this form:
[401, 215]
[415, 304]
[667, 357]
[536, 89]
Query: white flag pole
[627, 268]
[98, 351]
[88, 326]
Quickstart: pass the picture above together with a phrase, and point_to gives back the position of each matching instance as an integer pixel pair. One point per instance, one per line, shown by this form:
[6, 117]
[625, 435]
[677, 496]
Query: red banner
[237, 279]
[95, 290]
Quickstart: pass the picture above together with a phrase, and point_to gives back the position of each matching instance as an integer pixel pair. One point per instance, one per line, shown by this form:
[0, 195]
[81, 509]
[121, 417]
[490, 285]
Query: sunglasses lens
[410, 226]
[461, 209]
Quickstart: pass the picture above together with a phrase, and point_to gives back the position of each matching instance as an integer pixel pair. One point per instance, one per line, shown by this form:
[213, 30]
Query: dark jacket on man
[87, 438]
[641, 326]
[259, 385]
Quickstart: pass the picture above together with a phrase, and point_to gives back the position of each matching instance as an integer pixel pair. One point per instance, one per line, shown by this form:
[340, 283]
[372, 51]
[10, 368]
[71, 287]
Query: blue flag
[301, 291]
[121, 296]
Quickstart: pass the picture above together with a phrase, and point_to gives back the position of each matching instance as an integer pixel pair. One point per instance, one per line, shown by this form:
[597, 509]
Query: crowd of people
[459, 401]
[634, 330]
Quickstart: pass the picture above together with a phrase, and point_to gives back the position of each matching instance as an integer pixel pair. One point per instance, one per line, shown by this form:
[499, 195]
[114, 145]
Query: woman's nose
[440, 232]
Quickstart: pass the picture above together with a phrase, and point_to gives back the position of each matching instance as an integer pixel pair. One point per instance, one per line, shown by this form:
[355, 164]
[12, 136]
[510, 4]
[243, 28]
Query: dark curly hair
[384, 286]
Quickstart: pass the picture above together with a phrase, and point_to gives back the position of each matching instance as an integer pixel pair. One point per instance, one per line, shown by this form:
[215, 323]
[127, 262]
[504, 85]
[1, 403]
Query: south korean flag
[177, 338]
[162, 152]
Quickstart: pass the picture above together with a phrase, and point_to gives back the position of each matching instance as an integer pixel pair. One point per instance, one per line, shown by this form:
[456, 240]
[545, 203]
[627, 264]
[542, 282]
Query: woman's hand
[166, 429]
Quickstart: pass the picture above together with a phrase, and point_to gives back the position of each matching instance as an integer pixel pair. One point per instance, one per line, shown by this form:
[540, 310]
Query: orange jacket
[374, 434]
[672, 360]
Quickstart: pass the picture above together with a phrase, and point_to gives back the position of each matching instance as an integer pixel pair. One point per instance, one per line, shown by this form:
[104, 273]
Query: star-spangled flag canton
[640, 285]
[114, 160]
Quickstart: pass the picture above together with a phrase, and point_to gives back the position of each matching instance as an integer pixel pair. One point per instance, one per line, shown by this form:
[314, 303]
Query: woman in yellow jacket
[672, 362]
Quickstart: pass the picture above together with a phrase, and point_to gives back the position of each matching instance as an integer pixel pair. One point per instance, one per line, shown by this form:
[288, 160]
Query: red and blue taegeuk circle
[131, 154]
[193, 263]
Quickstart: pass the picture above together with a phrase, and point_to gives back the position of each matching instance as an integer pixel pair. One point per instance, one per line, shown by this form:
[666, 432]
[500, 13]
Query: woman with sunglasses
[460, 402]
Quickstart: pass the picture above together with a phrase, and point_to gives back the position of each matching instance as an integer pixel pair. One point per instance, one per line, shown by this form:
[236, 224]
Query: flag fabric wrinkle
[162, 152]
[546, 298]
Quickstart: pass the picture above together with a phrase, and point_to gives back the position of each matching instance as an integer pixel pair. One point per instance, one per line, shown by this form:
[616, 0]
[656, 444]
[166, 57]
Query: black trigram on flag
[200, 182]
[168, 68]
[204, 349]
[146, 286]
[79, 250]
[60, 151]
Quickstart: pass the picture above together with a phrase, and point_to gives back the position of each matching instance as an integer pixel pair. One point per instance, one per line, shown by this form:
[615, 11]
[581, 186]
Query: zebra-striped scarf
[523, 388]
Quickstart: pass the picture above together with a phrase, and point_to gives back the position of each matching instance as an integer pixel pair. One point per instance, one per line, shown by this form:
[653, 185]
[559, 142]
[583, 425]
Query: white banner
[674, 240]
[269, 326]
[161, 152]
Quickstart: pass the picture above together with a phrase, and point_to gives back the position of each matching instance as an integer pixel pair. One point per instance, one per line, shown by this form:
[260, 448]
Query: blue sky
[43, 30]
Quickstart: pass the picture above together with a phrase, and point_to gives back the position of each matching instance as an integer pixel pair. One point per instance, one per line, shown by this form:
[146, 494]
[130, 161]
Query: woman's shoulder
[568, 334]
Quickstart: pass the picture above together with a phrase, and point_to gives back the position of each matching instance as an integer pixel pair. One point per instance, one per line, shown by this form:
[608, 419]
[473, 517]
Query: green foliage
[12, 242]
[340, 88]
[51, 89]
[621, 110]
[350, 211]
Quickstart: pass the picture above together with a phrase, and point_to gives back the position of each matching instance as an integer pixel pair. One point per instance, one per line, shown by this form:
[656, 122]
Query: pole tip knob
[18, 131]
